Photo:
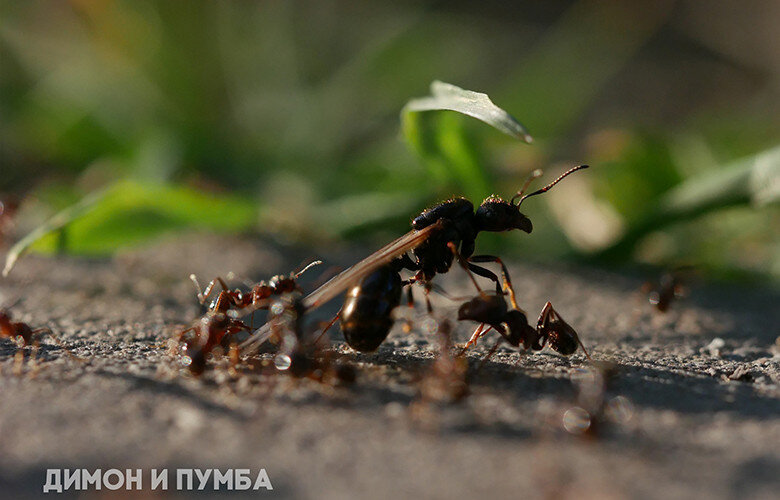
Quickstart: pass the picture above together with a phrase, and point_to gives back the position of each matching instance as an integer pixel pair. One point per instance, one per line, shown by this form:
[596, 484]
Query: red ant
[670, 286]
[217, 327]
[17, 330]
[214, 329]
[258, 295]
[24, 335]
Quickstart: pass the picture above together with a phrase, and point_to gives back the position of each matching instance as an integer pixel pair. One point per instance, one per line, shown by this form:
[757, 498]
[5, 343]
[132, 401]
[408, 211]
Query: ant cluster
[441, 235]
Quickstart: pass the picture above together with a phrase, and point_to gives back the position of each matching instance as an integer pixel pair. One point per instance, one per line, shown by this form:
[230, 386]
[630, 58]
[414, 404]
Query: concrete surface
[698, 413]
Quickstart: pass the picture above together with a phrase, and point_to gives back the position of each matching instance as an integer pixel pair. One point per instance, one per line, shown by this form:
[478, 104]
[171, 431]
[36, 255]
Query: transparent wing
[384, 255]
[347, 278]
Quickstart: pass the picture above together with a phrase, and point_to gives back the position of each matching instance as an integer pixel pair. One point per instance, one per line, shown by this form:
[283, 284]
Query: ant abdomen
[366, 317]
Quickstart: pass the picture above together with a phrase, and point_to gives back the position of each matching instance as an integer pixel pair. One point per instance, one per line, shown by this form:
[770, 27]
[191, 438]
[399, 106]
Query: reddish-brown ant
[17, 330]
[213, 329]
[259, 294]
[24, 335]
[217, 327]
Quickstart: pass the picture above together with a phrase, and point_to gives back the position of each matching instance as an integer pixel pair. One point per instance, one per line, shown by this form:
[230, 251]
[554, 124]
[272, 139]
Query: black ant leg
[485, 273]
[504, 275]
[489, 354]
[325, 330]
[464, 264]
[478, 334]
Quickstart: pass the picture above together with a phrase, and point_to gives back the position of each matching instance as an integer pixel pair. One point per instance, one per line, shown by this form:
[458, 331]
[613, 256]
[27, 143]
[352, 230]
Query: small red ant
[217, 327]
[18, 330]
[259, 293]
[24, 335]
[214, 329]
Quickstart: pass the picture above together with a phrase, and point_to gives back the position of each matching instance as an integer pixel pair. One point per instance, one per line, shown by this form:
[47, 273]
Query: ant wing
[347, 278]
[258, 338]
[384, 255]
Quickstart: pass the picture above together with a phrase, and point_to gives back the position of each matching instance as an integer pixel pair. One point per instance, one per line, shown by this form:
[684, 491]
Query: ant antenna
[536, 173]
[550, 185]
[194, 279]
[308, 266]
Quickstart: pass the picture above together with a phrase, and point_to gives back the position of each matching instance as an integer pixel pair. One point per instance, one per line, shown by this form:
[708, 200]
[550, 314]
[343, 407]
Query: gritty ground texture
[693, 409]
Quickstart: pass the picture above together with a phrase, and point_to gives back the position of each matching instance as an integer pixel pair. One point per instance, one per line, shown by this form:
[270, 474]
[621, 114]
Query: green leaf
[750, 181]
[445, 96]
[129, 212]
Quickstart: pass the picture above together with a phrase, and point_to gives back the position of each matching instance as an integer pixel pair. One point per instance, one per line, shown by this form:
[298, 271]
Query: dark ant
[491, 309]
[365, 316]
[375, 283]
[595, 410]
[669, 287]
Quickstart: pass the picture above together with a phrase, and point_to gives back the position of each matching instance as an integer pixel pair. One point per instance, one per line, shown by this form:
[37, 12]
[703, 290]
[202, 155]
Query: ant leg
[504, 275]
[489, 354]
[204, 295]
[325, 330]
[473, 340]
[409, 307]
[18, 361]
[478, 334]
[485, 273]
[428, 305]
[464, 265]
[59, 343]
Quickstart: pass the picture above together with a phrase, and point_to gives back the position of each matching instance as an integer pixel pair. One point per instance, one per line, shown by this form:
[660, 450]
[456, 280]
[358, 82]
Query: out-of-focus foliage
[294, 105]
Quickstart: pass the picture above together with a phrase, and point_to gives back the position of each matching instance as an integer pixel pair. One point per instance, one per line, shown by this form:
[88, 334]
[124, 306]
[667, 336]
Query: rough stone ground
[698, 417]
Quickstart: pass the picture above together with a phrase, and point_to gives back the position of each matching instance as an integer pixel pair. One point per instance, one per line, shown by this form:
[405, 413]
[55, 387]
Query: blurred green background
[283, 118]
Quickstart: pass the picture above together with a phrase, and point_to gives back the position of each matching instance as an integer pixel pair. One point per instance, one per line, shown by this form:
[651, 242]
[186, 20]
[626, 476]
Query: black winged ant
[376, 283]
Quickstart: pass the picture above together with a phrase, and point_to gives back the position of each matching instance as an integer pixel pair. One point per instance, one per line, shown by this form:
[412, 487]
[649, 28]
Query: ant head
[495, 214]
